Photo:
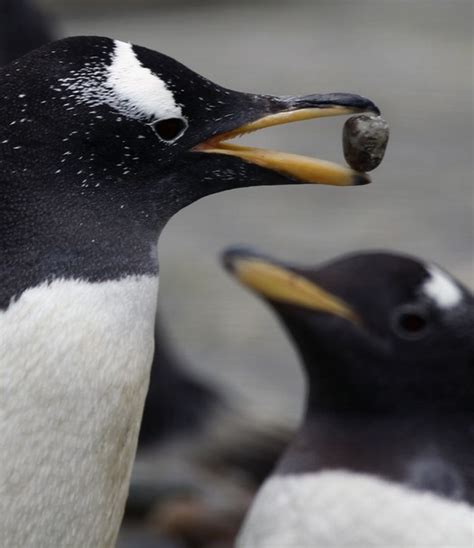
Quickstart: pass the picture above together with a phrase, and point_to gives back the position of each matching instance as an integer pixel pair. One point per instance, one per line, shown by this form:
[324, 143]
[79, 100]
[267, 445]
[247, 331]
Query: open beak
[282, 284]
[292, 109]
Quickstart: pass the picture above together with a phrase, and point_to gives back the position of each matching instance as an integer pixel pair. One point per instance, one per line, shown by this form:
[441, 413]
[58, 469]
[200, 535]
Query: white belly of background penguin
[336, 509]
[78, 369]
[101, 143]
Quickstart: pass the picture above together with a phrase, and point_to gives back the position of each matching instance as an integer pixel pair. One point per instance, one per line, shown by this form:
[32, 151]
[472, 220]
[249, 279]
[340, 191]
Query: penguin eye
[410, 322]
[169, 129]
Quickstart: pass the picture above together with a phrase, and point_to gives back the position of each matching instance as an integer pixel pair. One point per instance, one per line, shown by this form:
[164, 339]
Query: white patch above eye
[141, 91]
[126, 85]
[441, 289]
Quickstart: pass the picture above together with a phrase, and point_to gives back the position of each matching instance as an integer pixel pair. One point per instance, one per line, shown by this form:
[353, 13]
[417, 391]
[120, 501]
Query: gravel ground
[414, 59]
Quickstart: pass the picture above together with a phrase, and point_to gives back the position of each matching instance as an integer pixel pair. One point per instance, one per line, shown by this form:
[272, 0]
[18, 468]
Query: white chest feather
[74, 367]
[341, 509]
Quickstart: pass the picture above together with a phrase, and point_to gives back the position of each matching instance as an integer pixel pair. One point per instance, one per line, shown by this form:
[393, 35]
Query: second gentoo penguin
[384, 454]
[101, 142]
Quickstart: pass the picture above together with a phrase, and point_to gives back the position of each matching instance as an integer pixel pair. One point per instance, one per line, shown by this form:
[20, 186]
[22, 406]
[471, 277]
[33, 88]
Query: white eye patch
[125, 85]
[139, 92]
[441, 289]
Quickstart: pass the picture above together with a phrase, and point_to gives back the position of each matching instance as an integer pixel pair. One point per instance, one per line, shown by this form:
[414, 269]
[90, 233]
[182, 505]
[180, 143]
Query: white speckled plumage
[351, 510]
[125, 85]
[74, 367]
[137, 88]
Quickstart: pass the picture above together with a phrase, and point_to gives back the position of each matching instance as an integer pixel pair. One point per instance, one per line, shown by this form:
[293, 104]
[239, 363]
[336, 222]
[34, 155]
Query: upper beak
[280, 283]
[283, 110]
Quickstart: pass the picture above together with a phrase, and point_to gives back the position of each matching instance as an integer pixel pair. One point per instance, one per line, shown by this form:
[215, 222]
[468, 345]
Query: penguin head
[375, 331]
[108, 118]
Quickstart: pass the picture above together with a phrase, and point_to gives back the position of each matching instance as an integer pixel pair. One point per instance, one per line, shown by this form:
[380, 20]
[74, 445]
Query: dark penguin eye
[410, 322]
[169, 129]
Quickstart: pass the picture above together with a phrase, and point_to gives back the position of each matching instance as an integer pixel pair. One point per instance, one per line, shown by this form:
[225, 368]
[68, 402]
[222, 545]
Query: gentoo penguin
[101, 142]
[384, 455]
[23, 26]
[185, 416]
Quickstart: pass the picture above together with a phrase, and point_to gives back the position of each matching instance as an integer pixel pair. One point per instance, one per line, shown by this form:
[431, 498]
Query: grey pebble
[364, 140]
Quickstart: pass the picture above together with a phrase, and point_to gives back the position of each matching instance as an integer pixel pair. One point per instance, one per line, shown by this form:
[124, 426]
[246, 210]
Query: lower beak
[279, 283]
[284, 110]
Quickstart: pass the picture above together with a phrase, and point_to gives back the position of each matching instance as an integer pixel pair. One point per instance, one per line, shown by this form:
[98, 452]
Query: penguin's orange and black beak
[283, 110]
[282, 284]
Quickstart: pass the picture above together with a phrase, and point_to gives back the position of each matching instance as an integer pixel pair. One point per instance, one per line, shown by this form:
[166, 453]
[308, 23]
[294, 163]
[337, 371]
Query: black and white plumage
[179, 403]
[101, 142]
[384, 454]
[105, 123]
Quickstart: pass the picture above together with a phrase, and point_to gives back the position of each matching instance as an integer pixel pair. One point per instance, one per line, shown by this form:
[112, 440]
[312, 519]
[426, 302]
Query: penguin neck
[426, 452]
[355, 426]
[60, 231]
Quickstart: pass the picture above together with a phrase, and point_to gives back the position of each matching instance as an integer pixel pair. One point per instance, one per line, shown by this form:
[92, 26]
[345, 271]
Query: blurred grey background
[413, 58]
